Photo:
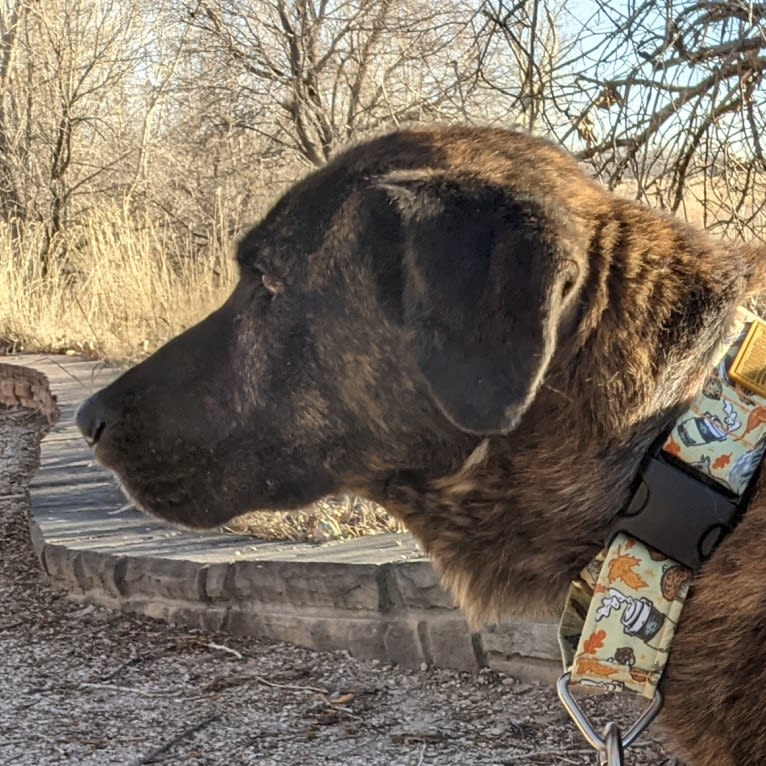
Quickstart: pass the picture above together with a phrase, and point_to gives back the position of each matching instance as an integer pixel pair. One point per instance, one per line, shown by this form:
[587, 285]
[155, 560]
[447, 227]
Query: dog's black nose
[91, 419]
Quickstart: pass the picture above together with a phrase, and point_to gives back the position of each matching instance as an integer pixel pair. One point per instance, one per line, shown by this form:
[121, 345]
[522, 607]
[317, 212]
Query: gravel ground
[82, 685]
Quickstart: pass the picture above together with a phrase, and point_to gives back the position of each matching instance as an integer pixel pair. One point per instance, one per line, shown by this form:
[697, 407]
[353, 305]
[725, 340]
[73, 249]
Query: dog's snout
[91, 419]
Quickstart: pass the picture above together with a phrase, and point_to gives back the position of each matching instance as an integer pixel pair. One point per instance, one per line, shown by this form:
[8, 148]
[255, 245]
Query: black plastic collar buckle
[677, 513]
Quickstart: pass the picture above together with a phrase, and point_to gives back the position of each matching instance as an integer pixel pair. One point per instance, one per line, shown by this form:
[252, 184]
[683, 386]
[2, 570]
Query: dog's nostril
[91, 420]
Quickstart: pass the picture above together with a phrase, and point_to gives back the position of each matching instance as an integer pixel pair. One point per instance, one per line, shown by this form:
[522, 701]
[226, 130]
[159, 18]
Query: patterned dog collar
[621, 614]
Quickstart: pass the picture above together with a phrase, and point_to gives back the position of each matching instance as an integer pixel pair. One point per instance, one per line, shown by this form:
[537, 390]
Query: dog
[459, 324]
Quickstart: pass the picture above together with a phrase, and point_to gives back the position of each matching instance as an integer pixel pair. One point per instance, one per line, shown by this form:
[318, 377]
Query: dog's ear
[485, 280]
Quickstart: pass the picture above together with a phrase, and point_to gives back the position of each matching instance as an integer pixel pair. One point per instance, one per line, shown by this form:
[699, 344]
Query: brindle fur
[460, 325]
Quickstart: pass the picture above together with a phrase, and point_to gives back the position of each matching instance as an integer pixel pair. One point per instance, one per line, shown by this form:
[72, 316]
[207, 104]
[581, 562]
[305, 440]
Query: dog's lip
[97, 459]
[97, 453]
[128, 490]
[142, 497]
[100, 457]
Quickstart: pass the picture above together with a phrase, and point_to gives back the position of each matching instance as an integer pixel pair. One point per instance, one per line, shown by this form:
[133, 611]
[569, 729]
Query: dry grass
[120, 284]
[341, 518]
[116, 289]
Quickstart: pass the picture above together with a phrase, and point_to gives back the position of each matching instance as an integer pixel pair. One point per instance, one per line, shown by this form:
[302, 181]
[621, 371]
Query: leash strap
[621, 616]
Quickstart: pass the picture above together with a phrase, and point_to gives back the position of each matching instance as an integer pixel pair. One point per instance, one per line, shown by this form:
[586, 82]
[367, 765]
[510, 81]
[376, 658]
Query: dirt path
[82, 685]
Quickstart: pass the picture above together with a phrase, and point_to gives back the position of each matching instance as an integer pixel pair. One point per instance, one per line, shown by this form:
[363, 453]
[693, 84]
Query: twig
[97, 368]
[313, 690]
[422, 755]
[545, 754]
[222, 648]
[149, 758]
[225, 682]
[130, 690]
[292, 687]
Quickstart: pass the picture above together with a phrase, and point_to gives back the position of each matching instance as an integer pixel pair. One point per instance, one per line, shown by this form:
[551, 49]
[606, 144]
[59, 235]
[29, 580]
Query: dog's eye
[273, 286]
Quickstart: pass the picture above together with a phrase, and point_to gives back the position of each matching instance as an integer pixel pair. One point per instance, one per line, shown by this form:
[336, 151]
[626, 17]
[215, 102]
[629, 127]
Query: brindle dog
[459, 324]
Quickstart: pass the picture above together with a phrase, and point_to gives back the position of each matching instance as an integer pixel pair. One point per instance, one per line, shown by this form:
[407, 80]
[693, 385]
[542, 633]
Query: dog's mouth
[201, 488]
[180, 492]
[176, 503]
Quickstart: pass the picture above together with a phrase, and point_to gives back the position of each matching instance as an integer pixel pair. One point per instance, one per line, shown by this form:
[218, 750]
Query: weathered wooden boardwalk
[377, 597]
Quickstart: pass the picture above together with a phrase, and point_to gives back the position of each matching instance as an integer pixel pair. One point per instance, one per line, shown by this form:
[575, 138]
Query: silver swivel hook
[612, 754]
[611, 744]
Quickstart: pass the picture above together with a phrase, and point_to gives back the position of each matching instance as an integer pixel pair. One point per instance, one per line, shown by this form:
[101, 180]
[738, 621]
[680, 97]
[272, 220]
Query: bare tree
[523, 59]
[65, 67]
[11, 203]
[311, 74]
[675, 103]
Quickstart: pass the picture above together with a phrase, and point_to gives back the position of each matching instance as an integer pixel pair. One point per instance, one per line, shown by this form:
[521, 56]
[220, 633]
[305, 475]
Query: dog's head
[392, 309]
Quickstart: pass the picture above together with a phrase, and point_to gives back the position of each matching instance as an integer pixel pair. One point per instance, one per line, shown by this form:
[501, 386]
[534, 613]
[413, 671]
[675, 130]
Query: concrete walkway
[377, 597]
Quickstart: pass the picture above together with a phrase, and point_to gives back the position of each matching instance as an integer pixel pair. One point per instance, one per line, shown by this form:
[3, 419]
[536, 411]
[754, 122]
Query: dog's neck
[644, 346]
[654, 312]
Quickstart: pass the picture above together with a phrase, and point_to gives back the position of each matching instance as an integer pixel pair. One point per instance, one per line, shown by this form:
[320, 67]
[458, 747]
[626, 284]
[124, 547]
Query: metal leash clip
[611, 744]
[612, 753]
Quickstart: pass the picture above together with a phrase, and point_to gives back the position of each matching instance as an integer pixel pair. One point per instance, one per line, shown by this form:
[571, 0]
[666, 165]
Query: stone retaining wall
[389, 611]
[377, 597]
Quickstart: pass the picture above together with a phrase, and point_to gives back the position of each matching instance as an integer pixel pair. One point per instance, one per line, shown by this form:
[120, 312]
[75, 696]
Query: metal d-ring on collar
[609, 745]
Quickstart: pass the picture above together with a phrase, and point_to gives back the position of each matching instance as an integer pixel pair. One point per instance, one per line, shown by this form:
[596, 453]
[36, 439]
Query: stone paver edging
[377, 597]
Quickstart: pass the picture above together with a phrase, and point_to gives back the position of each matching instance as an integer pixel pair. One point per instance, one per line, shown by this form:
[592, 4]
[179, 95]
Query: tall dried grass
[117, 285]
